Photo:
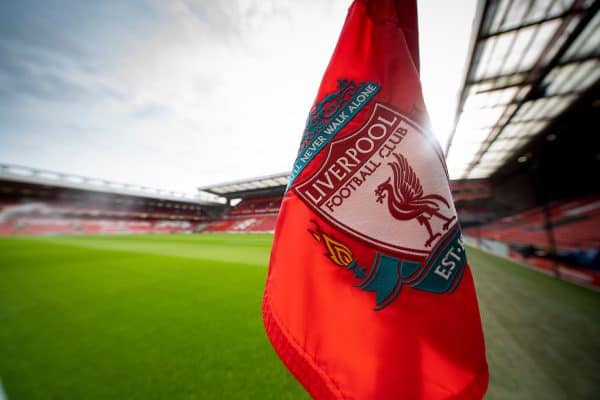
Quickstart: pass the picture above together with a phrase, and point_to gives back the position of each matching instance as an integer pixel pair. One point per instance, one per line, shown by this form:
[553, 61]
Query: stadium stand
[526, 126]
[35, 202]
[254, 223]
[560, 238]
[573, 226]
[70, 226]
[260, 199]
[257, 206]
[471, 199]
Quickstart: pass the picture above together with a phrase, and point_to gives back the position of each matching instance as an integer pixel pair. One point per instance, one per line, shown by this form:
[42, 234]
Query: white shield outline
[435, 155]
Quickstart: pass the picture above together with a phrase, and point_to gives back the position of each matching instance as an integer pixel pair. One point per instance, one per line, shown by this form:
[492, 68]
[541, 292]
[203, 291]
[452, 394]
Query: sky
[185, 93]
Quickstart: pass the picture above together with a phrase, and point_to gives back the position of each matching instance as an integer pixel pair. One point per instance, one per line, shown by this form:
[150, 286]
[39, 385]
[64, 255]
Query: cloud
[64, 50]
[174, 94]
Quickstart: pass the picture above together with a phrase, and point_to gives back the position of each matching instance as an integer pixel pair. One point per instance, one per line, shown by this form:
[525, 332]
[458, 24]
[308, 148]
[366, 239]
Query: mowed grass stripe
[247, 249]
[168, 316]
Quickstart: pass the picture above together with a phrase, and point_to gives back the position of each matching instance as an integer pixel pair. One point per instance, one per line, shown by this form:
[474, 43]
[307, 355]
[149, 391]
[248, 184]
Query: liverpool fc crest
[386, 186]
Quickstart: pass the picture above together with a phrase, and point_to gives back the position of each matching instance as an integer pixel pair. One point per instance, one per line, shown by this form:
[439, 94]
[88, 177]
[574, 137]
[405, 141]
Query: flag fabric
[369, 295]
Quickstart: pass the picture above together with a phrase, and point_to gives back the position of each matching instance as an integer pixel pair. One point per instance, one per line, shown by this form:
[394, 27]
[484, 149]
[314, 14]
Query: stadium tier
[257, 206]
[71, 226]
[249, 215]
[253, 223]
[34, 202]
[258, 202]
[561, 238]
[574, 226]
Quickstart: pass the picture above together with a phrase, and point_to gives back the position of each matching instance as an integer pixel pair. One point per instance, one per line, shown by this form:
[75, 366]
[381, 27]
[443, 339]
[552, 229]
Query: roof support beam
[573, 22]
[539, 72]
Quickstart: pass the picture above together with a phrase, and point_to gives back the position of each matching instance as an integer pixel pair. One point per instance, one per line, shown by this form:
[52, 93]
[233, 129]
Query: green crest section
[445, 269]
[386, 278]
[383, 278]
[408, 268]
[359, 272]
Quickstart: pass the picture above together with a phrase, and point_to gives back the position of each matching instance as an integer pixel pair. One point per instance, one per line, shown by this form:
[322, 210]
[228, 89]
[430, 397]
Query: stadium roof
[249, 187]
[19, 173]
[530, 61]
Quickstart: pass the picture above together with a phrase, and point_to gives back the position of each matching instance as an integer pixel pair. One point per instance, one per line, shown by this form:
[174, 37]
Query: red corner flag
[369, 295]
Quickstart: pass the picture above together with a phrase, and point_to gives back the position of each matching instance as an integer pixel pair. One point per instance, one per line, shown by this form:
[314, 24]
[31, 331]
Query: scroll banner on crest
[369, 294]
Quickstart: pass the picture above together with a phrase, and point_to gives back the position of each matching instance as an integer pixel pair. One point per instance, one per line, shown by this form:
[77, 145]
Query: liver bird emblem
[406, 200]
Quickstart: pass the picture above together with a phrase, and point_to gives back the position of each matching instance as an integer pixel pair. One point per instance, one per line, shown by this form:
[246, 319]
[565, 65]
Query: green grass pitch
[178, 317]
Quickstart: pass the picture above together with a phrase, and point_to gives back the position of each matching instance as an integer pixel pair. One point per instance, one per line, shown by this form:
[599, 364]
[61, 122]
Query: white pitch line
[3, 395]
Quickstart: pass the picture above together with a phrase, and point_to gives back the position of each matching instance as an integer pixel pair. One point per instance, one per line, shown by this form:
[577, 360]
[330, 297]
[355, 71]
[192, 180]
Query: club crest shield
[386, 185]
